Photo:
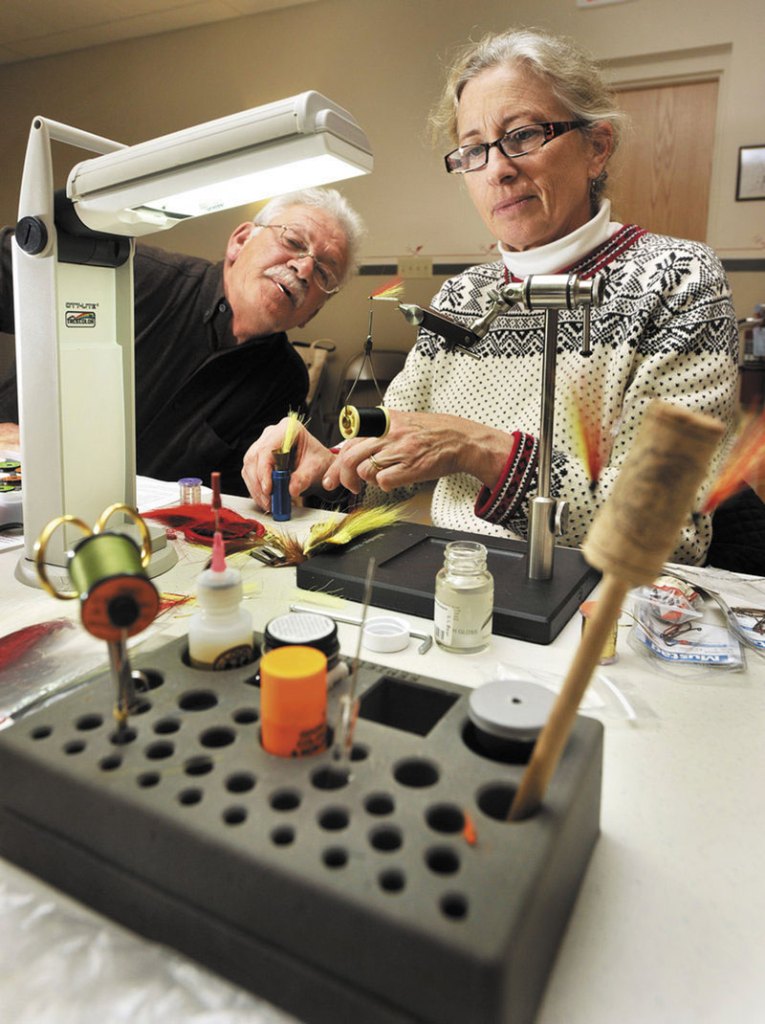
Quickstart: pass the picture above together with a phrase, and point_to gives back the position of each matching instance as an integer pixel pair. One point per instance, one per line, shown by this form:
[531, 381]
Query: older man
[213, 362]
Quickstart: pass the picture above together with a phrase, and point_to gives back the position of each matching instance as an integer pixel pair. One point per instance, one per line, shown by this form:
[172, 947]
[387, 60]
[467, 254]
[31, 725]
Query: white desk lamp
[73, 282]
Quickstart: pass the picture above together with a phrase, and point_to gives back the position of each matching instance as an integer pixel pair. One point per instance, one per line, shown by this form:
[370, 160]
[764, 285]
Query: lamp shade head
[306, 140]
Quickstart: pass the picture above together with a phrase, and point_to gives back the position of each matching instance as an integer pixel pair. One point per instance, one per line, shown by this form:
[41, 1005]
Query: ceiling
[39, 28]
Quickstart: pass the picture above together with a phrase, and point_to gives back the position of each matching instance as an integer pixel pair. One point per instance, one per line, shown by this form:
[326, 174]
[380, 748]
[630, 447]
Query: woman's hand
[420, 446]
[312, 460]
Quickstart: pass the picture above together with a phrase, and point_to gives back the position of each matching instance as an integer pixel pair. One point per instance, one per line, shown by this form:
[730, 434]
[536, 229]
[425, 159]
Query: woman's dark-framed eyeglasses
[518, 142]
[293, 242]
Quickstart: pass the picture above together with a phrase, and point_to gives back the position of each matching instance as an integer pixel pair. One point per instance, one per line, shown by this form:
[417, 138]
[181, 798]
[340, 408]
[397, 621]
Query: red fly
[15, 646]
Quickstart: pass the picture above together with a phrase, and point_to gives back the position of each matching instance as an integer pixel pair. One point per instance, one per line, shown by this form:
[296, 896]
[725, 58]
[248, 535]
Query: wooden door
[661, 174]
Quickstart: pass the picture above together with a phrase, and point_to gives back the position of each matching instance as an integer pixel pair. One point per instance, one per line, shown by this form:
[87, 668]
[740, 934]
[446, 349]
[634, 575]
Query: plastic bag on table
[603, 699]
[671, 600]
[689, 647]
[61, 963]
[40, 661]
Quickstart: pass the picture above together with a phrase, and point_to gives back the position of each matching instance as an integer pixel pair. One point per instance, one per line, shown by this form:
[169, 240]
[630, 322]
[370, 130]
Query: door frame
[684, 67]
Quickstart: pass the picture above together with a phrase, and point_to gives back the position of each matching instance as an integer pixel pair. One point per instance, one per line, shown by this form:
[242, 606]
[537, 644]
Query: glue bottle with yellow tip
[220, 632]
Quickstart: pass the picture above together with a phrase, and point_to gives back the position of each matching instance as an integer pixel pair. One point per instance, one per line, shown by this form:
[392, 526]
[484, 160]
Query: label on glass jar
[464, 624]
[443, 619]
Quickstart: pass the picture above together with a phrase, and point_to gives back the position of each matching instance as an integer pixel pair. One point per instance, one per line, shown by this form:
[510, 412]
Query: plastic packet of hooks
[393, 893]
[693, 642]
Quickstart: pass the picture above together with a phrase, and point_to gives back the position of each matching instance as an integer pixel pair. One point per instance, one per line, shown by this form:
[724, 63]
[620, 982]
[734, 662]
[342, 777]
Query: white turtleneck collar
[557, 255]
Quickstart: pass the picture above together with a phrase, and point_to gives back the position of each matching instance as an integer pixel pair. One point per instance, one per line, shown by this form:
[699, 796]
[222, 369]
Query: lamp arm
[36, 215]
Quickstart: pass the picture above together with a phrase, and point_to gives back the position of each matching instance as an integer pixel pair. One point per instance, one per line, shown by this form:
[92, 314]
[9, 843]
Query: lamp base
[163, 557]
[408, 556]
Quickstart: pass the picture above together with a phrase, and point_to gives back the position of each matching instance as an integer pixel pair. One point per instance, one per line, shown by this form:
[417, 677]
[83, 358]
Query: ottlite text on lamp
[73, 281]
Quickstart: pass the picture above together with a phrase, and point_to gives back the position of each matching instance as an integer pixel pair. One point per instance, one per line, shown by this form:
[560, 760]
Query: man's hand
[9, 436]
[312, 460]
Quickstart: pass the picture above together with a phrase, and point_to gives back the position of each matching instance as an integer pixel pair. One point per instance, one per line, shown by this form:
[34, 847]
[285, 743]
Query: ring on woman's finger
[374, 464]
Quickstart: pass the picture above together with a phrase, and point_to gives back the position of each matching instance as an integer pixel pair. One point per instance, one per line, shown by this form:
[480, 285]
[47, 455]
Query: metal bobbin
[41, 547]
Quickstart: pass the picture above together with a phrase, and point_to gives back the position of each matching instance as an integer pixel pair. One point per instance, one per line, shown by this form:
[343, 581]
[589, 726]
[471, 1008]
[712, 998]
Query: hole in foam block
[333, 819]
[328, 777]
[335, 857]
[446, 818]
[386, 839]
[190, 797]
[380, 804]
[442, 860]
[240, 782]
[283, 836]
[285, 800]
[87, 722]
[495, 748]
[197, 700]
[454, 906]
[392, 881]
[218, 736]
[496, 800]
[416, 772]
[409, 707]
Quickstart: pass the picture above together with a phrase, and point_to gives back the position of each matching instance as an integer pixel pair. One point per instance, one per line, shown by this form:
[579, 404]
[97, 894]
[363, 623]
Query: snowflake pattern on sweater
[666, 329]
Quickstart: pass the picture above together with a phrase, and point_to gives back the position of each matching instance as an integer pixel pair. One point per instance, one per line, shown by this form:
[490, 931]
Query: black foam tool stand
[408, 556]
[398, 895]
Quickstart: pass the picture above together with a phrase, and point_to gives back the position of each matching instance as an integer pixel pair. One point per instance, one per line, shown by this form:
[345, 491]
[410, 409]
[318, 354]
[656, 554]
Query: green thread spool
[99, 556]
[115, 593]
[107, 571]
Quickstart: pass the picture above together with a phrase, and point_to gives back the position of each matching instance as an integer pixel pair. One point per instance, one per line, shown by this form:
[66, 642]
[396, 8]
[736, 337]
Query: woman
[534, 127]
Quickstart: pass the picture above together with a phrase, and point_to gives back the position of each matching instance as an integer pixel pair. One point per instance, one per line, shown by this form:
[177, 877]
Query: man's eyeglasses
[519, 142]
[294, 243]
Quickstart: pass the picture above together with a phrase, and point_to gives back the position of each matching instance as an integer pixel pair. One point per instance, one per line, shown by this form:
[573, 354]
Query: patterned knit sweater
[666, 329]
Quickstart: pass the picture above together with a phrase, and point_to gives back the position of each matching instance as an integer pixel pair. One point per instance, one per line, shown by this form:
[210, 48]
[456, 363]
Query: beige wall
[383, 60]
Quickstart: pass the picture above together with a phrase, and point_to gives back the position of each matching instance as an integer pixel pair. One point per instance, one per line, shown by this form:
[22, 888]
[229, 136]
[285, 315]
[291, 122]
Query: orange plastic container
[293, 701]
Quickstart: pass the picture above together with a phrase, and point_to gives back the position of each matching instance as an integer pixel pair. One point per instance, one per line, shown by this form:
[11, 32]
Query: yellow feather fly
[592, 444]
[344, 529]
[281, 548]
[290, 434]
[744, 465]
[391, 291]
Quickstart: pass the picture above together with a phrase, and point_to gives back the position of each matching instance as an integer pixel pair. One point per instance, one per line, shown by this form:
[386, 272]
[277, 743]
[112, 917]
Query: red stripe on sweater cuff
[486, 498]
[502, 502]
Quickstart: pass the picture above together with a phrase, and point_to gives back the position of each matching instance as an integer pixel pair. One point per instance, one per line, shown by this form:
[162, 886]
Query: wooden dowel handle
[630, 539]
[554, 735]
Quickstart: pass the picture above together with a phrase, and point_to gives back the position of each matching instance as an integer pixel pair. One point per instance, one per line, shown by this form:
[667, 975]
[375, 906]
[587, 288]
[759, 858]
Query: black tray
[408, 556]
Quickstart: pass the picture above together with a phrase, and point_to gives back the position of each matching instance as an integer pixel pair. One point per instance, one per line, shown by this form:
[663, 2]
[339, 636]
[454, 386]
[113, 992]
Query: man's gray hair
[331, 202]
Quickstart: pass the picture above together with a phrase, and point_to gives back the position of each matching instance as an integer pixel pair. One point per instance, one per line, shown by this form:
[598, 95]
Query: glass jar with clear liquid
[464, 599]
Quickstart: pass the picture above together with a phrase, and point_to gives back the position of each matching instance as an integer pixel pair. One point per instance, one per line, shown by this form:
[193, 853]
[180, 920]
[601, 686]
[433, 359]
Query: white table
[668, 926]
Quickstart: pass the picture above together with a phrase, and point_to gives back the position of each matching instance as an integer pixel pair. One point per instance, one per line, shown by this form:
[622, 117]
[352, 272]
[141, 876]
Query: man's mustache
[294, 287]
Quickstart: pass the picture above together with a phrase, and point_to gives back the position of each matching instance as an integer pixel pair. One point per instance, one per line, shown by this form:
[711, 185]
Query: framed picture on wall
[750, 183]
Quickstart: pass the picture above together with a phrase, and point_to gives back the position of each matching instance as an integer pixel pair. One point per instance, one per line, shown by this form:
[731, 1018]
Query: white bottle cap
[386, 633]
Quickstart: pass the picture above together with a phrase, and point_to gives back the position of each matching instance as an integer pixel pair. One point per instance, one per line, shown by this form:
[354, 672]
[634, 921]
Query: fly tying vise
[538, 291]
[117, 599]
